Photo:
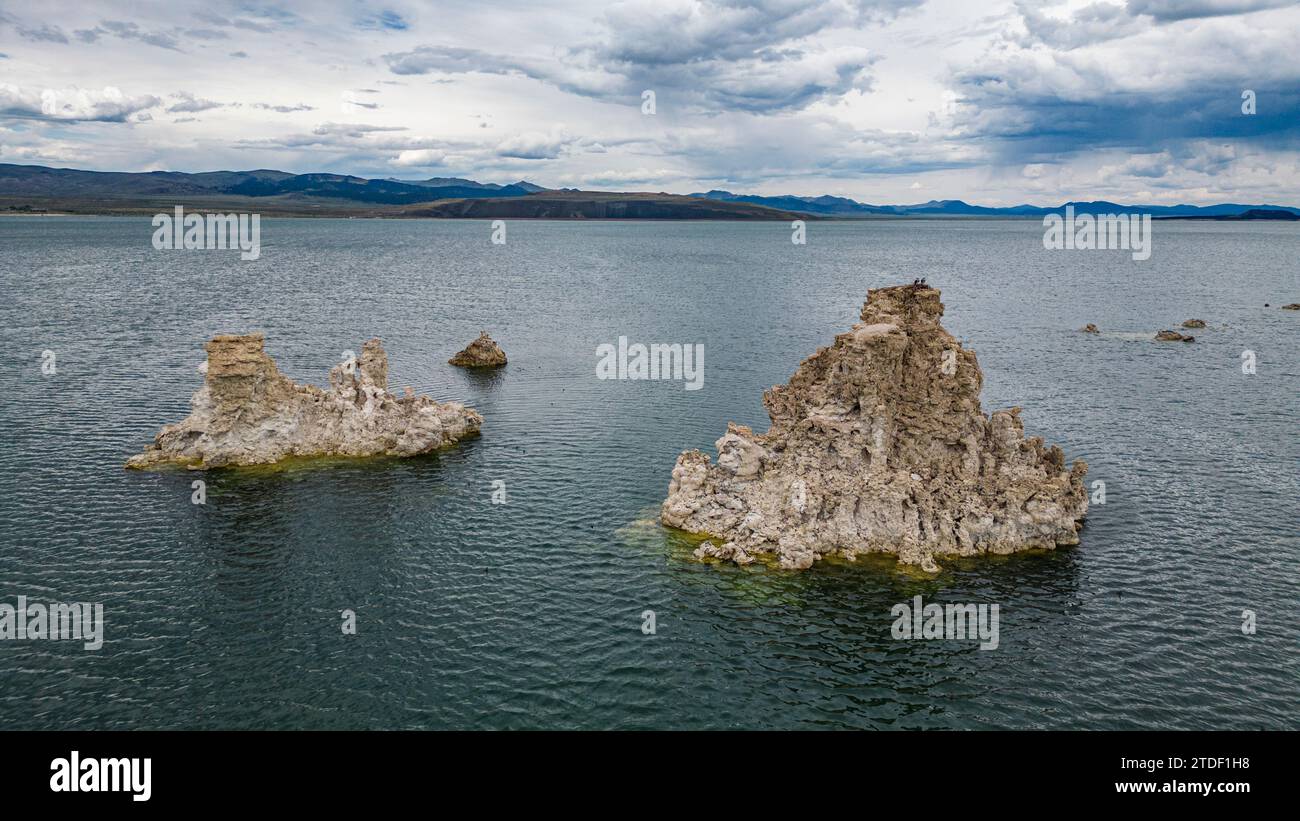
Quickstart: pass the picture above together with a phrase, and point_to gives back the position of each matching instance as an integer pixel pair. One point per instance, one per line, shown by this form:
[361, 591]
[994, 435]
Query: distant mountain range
[35, 180]
[35, 189]
[28, 188]
[843, 207]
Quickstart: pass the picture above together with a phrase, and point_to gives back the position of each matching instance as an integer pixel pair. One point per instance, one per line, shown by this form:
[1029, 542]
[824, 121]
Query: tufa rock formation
[1294, 306]
[878, 444]
[248, 413]
[1194, 323]
[1090, 329]
[1173, 336]
[481, 353]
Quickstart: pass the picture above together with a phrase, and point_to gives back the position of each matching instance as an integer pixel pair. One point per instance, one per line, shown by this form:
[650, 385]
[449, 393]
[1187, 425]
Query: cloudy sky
[885, 101]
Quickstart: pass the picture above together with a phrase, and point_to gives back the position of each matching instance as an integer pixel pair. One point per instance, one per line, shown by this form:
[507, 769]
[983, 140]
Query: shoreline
[819, 218]
[278, 214]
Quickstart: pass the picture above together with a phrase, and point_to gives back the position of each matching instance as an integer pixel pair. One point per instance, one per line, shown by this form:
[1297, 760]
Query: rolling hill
[34, 188]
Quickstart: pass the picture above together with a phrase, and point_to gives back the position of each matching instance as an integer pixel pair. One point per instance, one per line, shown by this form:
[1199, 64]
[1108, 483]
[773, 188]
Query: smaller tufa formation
[481, 353]
[1194, 323]
[1173, 336]
[248, 413]
[1294, 306]
[878, 443]
[1090, 329]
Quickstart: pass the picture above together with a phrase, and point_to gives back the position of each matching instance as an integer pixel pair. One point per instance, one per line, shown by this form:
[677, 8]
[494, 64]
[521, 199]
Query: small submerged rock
[1194, 323]
[248, 413]
[1090, 329]
[729, 552]
[1173, 336]
[1294, 306]
[878, 443]
[481, 353]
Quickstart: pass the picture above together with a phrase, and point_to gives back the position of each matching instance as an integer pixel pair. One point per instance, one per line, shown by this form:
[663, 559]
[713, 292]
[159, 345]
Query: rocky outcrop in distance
[1173, 336]
[1194, 323]
[1294, 306]
[248, 413]
[1090, 329]
[878, 443]
[481, 353]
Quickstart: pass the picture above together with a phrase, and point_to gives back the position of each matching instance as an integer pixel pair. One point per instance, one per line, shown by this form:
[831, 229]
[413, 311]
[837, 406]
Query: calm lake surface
[529, 614]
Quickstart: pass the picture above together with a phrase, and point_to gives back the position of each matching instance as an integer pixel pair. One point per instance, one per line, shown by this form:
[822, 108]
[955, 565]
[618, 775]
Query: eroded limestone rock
[878, 444]
[1090, 329]
[1173, 336]
[1194, 323]
[481, 353]
[248, 413]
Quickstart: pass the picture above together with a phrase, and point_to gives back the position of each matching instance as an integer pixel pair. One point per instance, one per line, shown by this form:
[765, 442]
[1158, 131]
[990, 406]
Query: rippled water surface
[529, 614]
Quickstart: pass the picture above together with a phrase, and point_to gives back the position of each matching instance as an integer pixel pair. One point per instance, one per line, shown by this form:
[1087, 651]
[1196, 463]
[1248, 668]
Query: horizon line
[695, 194]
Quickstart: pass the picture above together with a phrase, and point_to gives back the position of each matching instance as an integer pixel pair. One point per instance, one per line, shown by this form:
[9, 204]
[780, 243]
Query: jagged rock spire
[878, 444]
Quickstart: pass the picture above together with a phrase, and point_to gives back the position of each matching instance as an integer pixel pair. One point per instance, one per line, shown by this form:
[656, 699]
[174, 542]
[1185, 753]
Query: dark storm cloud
[1188, 9]
[190, 104]
[710, 55]
[386, 19]
[48, 34]
[1154, 90]
[128, 31]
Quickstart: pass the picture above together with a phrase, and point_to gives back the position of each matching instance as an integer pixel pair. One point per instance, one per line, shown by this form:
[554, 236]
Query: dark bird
[922, 280]
[916, 281]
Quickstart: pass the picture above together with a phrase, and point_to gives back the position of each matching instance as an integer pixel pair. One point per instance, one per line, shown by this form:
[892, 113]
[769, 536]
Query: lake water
[529, 614]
